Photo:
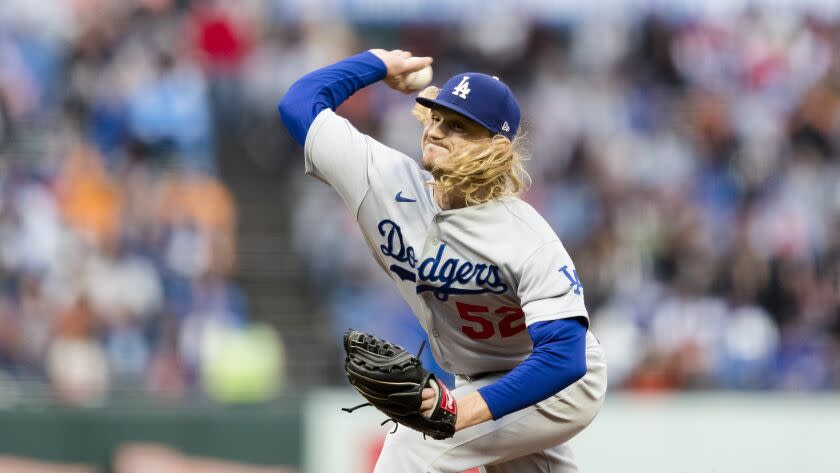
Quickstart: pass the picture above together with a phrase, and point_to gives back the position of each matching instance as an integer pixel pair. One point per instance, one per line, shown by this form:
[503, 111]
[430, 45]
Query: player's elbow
[575, 361]
[294, 117]
[577, 370]
[570, 367]
[286, 108]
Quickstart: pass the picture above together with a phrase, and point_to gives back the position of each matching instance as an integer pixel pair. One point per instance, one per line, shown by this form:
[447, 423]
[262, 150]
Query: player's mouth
[438, 145]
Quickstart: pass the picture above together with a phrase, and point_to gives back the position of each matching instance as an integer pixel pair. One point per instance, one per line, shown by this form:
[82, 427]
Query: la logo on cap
[463, 89]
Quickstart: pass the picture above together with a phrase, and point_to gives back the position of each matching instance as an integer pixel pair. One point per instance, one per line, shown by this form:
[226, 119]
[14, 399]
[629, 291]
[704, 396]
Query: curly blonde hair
[482, 170]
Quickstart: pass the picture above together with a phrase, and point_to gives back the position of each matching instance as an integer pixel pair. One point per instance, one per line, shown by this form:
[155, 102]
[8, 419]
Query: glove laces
[350, 410]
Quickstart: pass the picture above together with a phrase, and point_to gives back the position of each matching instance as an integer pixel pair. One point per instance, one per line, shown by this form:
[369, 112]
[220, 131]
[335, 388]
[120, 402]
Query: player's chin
[429, 161]
[433, 155]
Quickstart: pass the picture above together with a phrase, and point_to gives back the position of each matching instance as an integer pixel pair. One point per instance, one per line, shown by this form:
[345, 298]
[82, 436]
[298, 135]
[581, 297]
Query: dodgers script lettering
[455, 275]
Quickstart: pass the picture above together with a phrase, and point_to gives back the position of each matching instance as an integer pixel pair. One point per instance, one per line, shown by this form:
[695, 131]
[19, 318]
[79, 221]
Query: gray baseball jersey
[475, 277]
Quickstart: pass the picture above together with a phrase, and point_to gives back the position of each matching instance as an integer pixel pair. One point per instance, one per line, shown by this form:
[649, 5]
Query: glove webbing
[350, 410]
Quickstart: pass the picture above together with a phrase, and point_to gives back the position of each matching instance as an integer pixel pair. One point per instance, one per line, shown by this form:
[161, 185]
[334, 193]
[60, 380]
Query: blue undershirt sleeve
[327, 87]
[558, 360]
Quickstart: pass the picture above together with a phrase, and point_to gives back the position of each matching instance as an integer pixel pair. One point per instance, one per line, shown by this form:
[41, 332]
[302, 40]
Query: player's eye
[457, 126]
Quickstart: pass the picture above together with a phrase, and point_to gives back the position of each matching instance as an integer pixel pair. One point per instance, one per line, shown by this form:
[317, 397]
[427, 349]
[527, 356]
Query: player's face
[443, 133]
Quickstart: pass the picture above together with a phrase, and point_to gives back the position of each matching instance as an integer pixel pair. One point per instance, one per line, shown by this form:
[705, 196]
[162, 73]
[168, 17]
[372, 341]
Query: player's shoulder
[336, 131]
[527, 221]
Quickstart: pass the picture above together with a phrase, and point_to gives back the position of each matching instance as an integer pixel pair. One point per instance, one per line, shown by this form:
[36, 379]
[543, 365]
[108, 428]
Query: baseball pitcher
[486, 276]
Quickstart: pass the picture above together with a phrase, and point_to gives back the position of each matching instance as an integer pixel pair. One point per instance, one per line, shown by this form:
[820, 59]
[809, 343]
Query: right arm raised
[334, 151]
[330, 86]
[324, 88]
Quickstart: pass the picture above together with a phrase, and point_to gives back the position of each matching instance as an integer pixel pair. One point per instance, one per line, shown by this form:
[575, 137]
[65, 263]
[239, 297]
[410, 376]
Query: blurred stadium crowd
[117, 237]
[690, 165]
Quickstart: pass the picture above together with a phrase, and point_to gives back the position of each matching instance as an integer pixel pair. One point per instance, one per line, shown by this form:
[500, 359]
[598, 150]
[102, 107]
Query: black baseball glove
[392, 380]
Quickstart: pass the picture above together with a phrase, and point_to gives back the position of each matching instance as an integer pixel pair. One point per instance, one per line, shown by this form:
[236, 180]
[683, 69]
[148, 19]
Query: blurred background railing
[159, 242]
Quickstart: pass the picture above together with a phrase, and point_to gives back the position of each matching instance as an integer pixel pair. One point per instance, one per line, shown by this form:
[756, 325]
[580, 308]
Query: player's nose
[436, 131]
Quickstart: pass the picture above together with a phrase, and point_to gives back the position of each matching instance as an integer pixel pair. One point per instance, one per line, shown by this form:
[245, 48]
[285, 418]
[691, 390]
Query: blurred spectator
[243, 365]
[90, 200]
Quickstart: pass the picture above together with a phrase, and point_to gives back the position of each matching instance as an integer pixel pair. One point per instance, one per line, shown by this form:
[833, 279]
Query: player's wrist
[472, 410]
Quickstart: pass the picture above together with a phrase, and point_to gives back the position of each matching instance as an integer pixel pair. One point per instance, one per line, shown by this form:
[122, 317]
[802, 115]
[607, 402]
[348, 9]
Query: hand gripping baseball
[393, 380]
[400, 64]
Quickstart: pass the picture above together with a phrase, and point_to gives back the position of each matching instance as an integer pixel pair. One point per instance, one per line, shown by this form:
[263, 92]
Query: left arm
[558, 360]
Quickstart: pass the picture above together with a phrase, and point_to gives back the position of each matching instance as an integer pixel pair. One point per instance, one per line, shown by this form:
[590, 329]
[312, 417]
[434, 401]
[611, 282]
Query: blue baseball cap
[484, 99]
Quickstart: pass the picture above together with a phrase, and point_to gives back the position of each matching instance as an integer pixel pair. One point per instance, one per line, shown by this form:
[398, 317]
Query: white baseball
[418, 79]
